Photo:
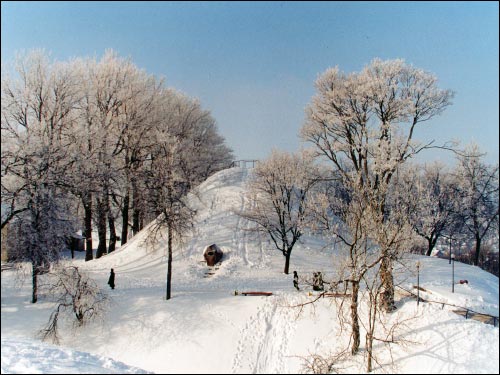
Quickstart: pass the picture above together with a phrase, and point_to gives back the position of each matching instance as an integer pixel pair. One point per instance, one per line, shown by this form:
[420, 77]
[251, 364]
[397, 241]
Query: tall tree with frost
[136, 124]
[109, 87]
[278, 193]
[107, 91]
[345, 216]
[477, 187]
[337, 213]
[177, 123]
[37, 116]
[364, 123]
[40, 233]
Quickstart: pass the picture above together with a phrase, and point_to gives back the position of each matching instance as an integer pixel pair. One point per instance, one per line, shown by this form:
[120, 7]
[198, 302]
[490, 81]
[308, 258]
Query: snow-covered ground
[27, 356]
[205, 328]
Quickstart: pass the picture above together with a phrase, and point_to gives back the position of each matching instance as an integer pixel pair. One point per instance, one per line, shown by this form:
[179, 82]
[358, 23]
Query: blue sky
[253, 64]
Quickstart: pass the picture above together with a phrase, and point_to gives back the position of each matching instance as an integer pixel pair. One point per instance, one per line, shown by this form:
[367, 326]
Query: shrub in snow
[75, 295]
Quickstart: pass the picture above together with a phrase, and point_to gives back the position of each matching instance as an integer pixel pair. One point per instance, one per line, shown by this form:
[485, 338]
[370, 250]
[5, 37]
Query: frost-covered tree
[102, 131]
[364, 124]
[277, 195]
[39, 234]
[134, 140]
[176, 164]
[37, 117]
[477, 188]
[337, 214]
[109, 93]
[432, 188]
[204, 141]
[345, 216]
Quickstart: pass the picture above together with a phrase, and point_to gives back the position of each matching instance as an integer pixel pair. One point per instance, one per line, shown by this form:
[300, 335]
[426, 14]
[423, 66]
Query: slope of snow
[205, 328]
[24, 356]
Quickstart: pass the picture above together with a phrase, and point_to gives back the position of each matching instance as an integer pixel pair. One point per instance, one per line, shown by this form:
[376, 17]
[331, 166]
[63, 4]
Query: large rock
[212, 254]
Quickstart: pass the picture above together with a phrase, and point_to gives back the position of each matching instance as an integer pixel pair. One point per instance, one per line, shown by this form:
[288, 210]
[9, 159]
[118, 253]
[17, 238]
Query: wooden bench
[253, 293]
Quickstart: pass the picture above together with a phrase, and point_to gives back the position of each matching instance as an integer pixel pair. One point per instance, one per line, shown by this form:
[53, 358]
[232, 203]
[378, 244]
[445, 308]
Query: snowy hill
[205, 328]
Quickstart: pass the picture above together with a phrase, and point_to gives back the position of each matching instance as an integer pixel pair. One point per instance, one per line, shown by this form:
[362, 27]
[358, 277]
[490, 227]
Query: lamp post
[453, 273]
[418, 282]
[450, 251]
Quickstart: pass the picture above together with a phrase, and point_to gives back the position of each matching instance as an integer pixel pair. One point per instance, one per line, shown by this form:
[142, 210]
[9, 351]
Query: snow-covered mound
[24, 356]
[247, 253]
[205, 328]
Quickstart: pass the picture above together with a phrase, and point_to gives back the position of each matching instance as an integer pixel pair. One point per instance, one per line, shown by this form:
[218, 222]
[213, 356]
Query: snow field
[205, 328]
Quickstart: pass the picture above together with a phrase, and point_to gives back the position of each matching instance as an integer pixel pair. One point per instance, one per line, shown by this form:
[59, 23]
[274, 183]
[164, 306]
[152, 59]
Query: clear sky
[253, 64]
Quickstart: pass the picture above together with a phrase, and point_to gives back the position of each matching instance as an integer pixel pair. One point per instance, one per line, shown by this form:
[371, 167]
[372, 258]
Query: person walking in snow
[296, 280]
[111, 280]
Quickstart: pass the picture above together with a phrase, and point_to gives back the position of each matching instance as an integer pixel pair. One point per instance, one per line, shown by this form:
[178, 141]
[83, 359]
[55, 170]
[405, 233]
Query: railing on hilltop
[244, 163]
[467, 312]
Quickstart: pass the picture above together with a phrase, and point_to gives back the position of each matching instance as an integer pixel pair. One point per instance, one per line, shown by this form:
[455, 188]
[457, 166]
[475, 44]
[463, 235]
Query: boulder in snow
[212, 254]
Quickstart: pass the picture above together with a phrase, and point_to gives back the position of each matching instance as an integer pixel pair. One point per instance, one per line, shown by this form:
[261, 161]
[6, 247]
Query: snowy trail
[264, 340]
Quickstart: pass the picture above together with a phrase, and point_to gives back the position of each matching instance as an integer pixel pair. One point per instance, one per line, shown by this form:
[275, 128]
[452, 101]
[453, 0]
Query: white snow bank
[25, 356]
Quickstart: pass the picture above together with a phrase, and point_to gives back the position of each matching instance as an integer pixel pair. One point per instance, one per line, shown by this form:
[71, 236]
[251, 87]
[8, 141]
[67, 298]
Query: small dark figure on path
[111, 280]
[296, 280]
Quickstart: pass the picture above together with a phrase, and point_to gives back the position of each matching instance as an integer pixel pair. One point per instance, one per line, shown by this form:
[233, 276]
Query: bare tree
[477, 188]
[40, 233]
[431, 187]
[75, 294]
[37, 117]
[110, 135]
[278, 193]
[345, 216]
[136, 123]
[364, 124]
[175, 166]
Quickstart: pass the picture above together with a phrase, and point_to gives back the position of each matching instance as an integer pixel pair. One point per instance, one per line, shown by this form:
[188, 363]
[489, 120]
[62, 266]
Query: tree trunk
[111, 224]
[169, 264]
[136, 212]
[369, 350]
[112, 234]
[126, 203]
[355, 318]
[34, 280]
[141, 220]
[430, 246]
[87, 204]
[135, 221]
[387, 295]
[101, 228]
[287, 262]
[478, 249]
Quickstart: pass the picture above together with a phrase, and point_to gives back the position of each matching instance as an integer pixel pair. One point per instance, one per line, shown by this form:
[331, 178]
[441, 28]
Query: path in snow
[264, 339]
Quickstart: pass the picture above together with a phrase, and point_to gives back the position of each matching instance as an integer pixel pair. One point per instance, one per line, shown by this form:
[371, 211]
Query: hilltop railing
[244, 163]
[468, 312]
